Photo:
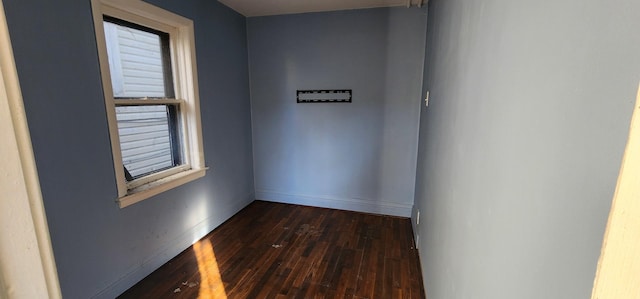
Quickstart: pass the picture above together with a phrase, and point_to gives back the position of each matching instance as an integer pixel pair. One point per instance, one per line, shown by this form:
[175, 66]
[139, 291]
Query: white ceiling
[253, 8]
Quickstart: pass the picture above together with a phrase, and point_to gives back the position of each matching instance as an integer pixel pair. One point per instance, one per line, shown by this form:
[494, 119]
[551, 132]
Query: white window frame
[183, 64]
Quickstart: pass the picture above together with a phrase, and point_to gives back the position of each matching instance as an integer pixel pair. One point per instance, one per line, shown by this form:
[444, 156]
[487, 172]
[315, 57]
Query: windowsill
[156, 187]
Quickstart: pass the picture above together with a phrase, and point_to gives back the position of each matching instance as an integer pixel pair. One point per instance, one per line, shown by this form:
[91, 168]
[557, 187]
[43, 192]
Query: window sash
[179, 146]
[132, 47]
[174, 107]
[148, 101]
[157, 175]
[150, 139]
[185, 83]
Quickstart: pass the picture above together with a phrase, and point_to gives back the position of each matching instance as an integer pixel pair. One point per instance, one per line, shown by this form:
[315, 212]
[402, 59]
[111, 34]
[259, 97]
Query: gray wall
[101, 250]
[521, 144]
[358, 156]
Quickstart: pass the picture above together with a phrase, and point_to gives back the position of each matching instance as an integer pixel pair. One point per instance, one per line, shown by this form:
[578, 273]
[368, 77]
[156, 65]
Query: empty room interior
[451, 149]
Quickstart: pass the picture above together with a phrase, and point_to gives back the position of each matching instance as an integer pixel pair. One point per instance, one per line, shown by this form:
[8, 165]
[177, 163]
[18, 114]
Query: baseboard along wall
[349, 204]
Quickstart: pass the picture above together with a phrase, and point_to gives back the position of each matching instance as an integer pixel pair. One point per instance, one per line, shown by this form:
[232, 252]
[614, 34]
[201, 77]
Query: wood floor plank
[272, 250]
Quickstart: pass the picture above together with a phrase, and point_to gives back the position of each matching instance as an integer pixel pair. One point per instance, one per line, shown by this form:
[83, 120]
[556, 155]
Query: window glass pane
[145, 138]
[137, 62]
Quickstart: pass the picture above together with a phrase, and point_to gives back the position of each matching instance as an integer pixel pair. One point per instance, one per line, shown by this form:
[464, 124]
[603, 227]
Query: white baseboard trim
[350, 204]
[172, 249]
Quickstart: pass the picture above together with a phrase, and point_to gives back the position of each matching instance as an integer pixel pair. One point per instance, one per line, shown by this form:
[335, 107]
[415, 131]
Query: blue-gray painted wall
[530, 103]
[356, 156]
[101, 250]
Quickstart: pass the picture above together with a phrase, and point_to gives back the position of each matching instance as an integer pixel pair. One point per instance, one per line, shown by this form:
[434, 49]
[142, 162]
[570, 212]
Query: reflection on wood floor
[272, 250]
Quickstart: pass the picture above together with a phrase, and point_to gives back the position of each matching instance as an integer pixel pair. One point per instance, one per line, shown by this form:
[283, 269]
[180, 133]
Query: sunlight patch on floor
[211, 285]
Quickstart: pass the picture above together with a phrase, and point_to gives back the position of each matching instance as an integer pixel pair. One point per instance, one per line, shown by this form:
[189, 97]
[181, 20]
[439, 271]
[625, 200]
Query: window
[147, 62]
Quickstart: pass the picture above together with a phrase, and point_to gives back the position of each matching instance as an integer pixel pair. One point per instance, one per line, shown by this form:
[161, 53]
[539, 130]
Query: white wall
[521, 144]
[356, 156]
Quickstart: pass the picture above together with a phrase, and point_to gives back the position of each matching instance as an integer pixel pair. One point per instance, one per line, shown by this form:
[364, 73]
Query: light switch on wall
[426, 99]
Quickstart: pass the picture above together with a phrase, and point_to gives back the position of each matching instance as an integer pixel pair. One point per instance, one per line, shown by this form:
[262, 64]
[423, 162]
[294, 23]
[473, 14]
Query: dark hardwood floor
[272, 250]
